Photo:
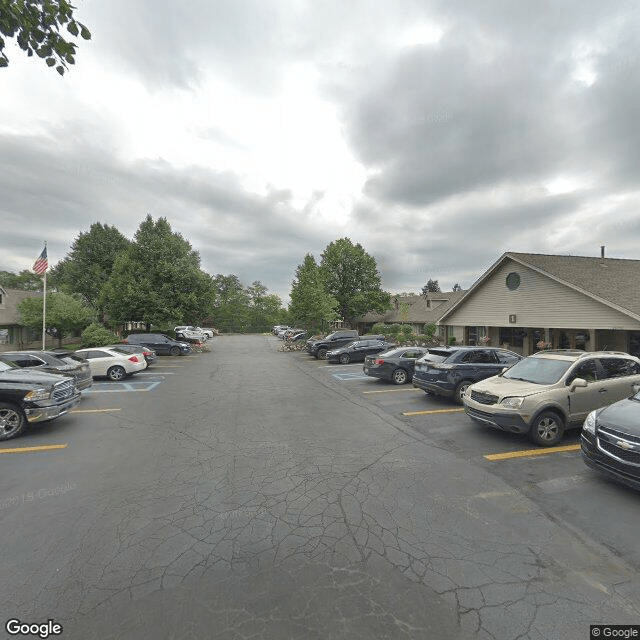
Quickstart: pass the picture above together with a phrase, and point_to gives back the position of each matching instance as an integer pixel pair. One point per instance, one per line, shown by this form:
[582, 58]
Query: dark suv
[29, 395]
[161, 344]
[319, 348]
[448, 371]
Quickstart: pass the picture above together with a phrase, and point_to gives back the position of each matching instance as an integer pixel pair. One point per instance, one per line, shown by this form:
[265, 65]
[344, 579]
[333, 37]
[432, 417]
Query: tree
[432, 286]
[311, 306]
[232, 301]
[457, 287]
[26, 280]
[265, 309]
[65, 314]
[35, 24]
[88, 265]
[157, 280]
[351, 276]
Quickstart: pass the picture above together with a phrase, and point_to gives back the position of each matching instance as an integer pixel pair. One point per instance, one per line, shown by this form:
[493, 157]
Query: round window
[513, 280]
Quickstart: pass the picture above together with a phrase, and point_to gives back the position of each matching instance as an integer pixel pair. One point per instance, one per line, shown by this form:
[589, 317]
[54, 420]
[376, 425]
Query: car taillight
[379, 361]
[146, 353]
[134, 359]
[125, 341]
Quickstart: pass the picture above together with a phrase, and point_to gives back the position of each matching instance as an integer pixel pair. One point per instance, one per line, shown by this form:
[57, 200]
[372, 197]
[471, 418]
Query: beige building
[526, 301]
[12, 335]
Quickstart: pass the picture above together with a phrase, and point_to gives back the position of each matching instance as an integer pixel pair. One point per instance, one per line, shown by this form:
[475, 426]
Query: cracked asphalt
[250, 496]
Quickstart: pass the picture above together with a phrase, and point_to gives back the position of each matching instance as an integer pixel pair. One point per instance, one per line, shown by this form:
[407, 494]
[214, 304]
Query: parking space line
[423, 413]
[391, 390]
[173, 366]
[28, 449]
[156, 373]
[94, 410]
[532, 452]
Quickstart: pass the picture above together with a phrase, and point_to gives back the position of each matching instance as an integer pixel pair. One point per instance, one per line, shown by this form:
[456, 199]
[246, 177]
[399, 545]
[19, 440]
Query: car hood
[31, 377]
[503, 387]
[622, 416]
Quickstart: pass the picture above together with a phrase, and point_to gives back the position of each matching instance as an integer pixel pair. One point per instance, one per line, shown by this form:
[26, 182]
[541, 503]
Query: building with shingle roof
[11, 333]
[526, 301]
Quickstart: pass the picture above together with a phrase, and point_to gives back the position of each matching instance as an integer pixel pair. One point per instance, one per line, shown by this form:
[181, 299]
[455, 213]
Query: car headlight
[38, 394]
[514, 402]
[590, 423]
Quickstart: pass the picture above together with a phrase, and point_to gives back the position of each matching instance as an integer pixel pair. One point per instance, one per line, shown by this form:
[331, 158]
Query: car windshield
[5, 366]
[538, 370]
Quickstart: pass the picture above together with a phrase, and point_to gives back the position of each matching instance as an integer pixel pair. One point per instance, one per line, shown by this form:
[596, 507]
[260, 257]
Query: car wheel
[174, 351]
[322, 354]
[399, 376]
[116, 373]
[461, 389]
[547, 429]
[345, 359]
[12, 421]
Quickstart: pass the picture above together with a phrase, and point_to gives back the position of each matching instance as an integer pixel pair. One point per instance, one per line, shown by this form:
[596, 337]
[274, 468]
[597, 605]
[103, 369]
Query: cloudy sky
[436, 134]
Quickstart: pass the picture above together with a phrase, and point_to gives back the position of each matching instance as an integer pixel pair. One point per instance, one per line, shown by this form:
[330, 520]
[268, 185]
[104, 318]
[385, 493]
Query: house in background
[12, 335]
[526, 301]
[416, 310]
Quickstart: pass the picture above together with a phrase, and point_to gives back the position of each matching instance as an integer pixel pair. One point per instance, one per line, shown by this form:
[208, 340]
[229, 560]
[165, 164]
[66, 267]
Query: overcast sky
[436, 134]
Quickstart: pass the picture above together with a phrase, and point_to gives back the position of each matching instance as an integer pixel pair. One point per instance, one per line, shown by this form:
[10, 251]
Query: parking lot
[251, 493]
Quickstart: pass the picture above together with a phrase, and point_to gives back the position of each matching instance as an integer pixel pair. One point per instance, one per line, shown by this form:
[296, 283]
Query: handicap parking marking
[343, 377]
[122, 387]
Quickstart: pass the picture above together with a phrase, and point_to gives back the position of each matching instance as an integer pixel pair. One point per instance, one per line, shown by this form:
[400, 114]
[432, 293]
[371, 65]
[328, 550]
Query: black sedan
[51, 362]
[448, 371]
[610, 441]
[357, 351]
[395, 365]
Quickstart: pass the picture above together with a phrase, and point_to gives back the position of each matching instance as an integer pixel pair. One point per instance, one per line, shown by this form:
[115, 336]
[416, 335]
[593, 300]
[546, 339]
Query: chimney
[602, 251]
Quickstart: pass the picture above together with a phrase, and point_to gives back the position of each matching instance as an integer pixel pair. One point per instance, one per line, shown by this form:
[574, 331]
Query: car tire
[174, 351]
[116, 373]
[12, 421]
[345, 358]
[399, 376]
[460, 391]
[322, 354]
[547, 429]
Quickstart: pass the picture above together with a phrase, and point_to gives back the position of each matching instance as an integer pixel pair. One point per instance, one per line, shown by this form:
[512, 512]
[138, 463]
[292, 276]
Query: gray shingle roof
[415, 309]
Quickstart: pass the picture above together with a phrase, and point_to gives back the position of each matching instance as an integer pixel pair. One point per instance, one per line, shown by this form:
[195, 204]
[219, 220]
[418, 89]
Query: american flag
[41, 264]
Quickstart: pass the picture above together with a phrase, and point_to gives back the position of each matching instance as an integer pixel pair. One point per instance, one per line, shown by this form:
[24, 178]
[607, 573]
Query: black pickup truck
[27, 395]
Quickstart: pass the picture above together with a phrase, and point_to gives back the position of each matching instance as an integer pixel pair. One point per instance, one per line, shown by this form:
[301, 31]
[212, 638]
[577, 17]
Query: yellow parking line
[93, 410]
[42, 448]
[532, 452]
[391, 390]
[422, 413]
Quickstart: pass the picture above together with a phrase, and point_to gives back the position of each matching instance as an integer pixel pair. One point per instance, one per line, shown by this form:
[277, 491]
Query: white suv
[552, 390]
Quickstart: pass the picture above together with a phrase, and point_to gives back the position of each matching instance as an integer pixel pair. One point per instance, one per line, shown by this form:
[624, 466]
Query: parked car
[357, 351]
[610, 440]
[30, 395]
[52, 362]
[278, 327]
[449, 371]
[160, 343]
[319, 348]
[207, 332]
[149, 354]
[297, 337]
[395, 365]
[115, 365]
[550, 391]
[190, 334]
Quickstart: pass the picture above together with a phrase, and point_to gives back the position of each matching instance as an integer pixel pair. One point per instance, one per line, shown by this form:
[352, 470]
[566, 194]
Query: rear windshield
[538, 370]
[4, 366]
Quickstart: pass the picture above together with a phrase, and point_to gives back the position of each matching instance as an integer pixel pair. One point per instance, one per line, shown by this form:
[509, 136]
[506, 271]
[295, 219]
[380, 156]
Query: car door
[622, 374]
[598, 392]
[99, 361]
[407, 359]
[480, 364]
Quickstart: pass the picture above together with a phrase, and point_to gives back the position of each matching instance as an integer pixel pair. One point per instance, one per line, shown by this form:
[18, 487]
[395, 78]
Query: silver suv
[548, 392]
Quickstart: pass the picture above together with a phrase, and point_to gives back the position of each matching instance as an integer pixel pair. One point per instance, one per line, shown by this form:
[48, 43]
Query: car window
[619, 367]
[482, 356]
[587, 370]
[506, 358]
[413, 354]
[538, 370]
[26, 361]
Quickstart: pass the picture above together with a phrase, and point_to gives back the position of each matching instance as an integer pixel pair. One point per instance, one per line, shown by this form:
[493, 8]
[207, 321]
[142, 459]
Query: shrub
[379, 328]
[430, 330]
[406, 330]
[95, 335]
[452, 340]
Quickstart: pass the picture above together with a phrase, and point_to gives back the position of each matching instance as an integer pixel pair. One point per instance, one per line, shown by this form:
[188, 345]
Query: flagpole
[44, 309]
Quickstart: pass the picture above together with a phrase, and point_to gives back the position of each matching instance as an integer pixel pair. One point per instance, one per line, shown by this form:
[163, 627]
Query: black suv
[319, 348]
[161, 344]
[448, 371]
[28, 395]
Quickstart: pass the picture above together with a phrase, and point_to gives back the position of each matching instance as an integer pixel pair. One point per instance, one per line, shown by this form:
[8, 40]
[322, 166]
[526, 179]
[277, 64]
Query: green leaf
[85, 33]
[50, 62]
[72, 28]
[60, 69]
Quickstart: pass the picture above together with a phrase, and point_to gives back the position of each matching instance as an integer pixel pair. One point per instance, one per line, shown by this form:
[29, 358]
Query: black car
[52, 362]
[395, 365]
[161, 344]
[448, 371]
[32, 395]
[319, 348]
[297, 337]
[610, 440]
[148, 353]
[358, 350]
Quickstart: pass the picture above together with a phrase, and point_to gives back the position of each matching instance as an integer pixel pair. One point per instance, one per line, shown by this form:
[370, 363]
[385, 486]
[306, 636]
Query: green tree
[457, 287]
[65, 314]
[311, 306]
[36, 24]
[88, 265]
[157, 280]
[265, 309]
[26, 280]
[95, 335]
[231, 311]
[432, 286]
[351, 276]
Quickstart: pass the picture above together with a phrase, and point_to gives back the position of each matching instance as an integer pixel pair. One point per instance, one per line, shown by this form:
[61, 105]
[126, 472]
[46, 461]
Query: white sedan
[113, 364]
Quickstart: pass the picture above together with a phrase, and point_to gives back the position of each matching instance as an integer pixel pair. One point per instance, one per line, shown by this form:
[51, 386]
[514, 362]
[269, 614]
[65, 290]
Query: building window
[513, 281]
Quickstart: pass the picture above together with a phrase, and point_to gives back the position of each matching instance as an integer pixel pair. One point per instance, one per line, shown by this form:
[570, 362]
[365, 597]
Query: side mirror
[578, 382]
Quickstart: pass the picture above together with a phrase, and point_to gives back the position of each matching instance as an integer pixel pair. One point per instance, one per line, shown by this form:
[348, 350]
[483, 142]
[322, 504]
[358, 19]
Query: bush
[379, 328]
[452, 340]
[95, 335]
[406, 330]
[430, 330]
